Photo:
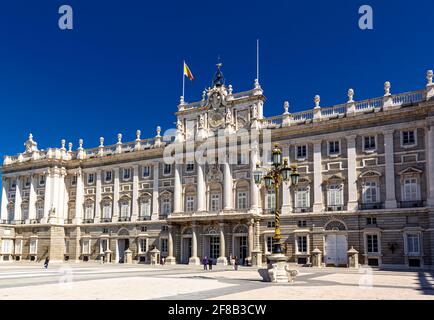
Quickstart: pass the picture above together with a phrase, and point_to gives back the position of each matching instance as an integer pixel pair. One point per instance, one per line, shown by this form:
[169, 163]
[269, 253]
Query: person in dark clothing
[210, 264]
[236, 263]
[46, 262]
[205, 263]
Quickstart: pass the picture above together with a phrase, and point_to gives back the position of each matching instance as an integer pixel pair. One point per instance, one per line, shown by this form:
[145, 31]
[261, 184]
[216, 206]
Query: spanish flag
[187, 72]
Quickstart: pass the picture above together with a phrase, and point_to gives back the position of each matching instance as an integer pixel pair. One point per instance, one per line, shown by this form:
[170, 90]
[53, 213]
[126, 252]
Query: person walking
[236, 263]
[233, 262]
[210, 264]
[205, 263]
[46, 262]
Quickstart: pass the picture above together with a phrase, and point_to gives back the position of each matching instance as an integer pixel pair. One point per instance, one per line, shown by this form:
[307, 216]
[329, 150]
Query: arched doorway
[186, 245]
[240, 244]
[123, 244]
[336, 243]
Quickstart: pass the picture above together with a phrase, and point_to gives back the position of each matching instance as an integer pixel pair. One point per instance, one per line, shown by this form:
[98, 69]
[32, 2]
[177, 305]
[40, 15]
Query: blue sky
[120, 69]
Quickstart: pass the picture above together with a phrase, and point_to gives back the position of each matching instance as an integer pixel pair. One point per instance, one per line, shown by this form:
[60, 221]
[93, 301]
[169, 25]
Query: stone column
[250, 240]
[47, 195]
[254, 190]
[18, 199]
[430, 164]
[98, 191]
[32, 197]
[116, 190]
[390, 169]
[352, 174]
[170, 258]
[194, 259]
[177, 190]
[317, 177]
[286, 191]
[228, 186]
[61, 196]
[201, 192]
[222, 260]
[256, 253]
[79, 198]
[155, 203]
[4, 203]
[135, 204]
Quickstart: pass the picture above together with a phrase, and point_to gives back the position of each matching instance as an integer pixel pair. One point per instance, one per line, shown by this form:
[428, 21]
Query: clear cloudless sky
[120, 68]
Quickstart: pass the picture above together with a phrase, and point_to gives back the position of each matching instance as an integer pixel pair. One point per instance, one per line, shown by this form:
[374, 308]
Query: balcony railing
[302, 209]
[143, 218]
[412, 204]
[4, 221]
[371, 206]
[268, 211]
[68, 221]
[106, 220]
[18, 221]
[88, 220]
[34, 221]
[340, 207]
[123, 219]
[162, 216]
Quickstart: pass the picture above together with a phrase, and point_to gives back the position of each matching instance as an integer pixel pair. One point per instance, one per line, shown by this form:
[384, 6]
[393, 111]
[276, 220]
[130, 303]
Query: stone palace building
[366, 182]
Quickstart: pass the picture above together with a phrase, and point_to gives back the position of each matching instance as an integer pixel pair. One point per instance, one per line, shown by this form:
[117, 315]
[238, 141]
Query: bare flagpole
[257, 59]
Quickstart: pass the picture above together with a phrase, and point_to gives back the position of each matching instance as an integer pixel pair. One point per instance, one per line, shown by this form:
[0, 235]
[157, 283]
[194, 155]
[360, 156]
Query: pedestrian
[210, 264]
[233, 262]
[46, 262]
[236, 263]
[205, 263]
[163, 261]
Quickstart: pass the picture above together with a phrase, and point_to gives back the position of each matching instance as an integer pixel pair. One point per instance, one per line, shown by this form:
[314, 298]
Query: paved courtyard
[95, 281]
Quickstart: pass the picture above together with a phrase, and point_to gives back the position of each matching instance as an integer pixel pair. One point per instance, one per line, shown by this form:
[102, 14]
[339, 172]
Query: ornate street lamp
[280, 173]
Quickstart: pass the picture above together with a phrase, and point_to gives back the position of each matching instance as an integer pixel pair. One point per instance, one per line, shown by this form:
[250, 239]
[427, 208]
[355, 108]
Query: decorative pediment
[370, 174]
[410, 171]
[211, 230]
[335, 225]
[304, 180]
[241, 229]
[333, 178]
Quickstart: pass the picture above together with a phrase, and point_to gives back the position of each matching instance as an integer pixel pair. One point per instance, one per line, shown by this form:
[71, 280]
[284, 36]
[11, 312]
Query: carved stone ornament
[214, 174]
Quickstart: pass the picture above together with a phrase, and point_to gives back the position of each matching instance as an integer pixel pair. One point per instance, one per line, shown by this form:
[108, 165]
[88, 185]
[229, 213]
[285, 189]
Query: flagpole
[183, 79]
[257, 59]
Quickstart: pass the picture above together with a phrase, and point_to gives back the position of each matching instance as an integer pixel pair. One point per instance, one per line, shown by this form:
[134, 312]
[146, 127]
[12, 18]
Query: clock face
[216, 119]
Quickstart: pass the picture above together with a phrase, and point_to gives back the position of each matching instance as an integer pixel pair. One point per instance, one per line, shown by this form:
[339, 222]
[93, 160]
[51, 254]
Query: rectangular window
[145, 208]
[13, 184]
[189, 204]
[301, 223]
[242, 159]
[408, 138]
[107, 211]
[146, 171]
[371, 220]
[27, 182]
[74, 181]
[269, 244]
[142, 245]
[271, 224]
[18, 246]
[125, 209]
[127, 173]
[86, 246]
[167, 169]
[302, 197]
[42, 181]
[215, 202]
[334, 195]
[301, 152]
[163, 245]
[369, 143]
[108, 176]
[242, 200]
[334, 147]
[89, 211]
[370, 192]
[302, 244]
[410, 189]
[189, 167]
[90, 178]
[33, 246]
[271, 201]
[7, 246]
[413, 244]
[372, 243]
[104, 245]
[167, 207]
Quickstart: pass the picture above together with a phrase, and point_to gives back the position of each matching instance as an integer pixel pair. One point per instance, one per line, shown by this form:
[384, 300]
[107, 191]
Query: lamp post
[273, 178]
[279, 173]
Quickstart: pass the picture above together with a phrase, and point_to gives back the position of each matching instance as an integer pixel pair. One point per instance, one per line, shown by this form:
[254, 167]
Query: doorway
[123, 244]
[186, 250]
[241, 248]
[336, 248]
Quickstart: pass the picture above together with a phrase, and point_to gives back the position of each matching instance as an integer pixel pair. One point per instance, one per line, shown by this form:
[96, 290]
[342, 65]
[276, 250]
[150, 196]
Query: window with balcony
[301, 152]
[270, 202]
[167, 206]
[335, 197]
[411, 189]
[215, 202]
[88, 211]
[125, 209]
[107, 210]
[302, 199]
[242, 200]
[189, 205]
[370, 192]
[145, 208]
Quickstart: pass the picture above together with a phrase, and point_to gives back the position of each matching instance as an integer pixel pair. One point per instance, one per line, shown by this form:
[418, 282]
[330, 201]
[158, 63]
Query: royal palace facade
[366, 184]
